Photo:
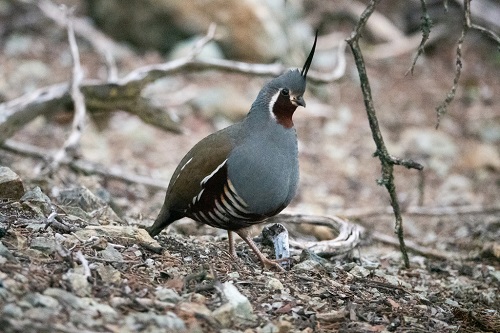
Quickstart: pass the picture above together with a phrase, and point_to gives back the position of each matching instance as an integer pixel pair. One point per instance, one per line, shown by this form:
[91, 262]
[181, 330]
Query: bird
[245, 173]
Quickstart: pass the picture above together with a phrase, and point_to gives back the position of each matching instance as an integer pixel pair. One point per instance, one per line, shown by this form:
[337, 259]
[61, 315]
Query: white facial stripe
[271, 103]
[204, 181]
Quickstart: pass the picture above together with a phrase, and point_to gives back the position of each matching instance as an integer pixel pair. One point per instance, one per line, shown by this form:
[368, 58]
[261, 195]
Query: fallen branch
[349, 234]
[126, 93]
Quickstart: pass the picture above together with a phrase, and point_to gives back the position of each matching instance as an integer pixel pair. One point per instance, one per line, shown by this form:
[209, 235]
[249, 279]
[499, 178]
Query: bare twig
[386, 160]
[443, 107]
[493, 36]
[425, 27]
[72, 142]
[466, 26]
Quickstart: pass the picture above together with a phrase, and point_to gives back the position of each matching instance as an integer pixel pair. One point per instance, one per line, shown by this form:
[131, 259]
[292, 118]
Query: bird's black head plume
[307, 64]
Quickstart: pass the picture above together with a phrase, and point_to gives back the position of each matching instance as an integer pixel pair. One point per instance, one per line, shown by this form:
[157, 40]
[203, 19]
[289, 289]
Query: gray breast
[264, 169]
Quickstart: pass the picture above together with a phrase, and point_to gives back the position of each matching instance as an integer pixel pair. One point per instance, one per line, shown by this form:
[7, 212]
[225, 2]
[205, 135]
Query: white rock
[274, 284]
[238, 308]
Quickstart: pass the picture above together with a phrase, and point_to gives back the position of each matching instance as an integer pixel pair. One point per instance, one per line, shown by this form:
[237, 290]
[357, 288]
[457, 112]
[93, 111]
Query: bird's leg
[232, 249]
[244, 234]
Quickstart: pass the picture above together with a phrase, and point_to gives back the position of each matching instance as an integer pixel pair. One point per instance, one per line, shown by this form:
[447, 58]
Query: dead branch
[386, 160]
[125, 94]
[72, 143]
[349, 234]
[466, 26]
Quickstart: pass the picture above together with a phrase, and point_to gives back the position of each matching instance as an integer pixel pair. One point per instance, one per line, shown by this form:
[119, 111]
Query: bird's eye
[285, 92]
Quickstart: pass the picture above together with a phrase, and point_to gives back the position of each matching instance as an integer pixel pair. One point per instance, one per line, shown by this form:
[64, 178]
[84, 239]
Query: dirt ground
[457, 212]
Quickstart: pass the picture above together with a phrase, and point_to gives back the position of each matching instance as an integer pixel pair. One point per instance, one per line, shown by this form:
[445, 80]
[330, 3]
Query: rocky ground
[73, 258]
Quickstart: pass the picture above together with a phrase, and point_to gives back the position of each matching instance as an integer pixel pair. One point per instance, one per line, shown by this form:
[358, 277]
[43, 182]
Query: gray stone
[40, 314]
[39, 300]
[270, 328]
[43, 244]
[167, 295]
[98, 309]
[65, 297]
[18, 44]
[496, 274]
[12, 310]
[108, 273]
[81, 202]
[11, 186]
[78, 282]
[4, 252]
[169, 320]
[307, 266]
[274, 284]
[37, 201]
[111, 254]
[237, 309]
[359, 271]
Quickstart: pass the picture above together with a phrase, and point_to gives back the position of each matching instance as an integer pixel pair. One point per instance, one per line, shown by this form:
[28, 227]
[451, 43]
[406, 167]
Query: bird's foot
[268, 263]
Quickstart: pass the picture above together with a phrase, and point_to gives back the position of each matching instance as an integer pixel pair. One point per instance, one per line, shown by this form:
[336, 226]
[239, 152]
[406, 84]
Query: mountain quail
[245, 173]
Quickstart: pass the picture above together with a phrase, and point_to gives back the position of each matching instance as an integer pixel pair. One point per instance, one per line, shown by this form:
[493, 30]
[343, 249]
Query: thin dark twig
[443, 107]
[425, 27]
[466, 26]
[386, 160]
[407, 163]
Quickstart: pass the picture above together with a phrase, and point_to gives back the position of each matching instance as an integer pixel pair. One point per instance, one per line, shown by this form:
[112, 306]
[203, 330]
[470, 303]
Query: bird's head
[282, 95]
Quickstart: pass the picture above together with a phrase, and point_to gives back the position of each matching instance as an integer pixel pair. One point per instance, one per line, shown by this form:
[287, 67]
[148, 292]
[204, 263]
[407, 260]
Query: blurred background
[338, 172]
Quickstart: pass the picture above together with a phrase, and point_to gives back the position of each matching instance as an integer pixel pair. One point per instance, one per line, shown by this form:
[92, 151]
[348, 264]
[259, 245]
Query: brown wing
[199, 162]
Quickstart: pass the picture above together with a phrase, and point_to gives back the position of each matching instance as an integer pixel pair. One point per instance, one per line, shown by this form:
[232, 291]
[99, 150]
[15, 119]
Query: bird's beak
[298, 101]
